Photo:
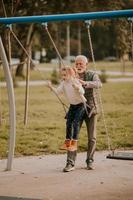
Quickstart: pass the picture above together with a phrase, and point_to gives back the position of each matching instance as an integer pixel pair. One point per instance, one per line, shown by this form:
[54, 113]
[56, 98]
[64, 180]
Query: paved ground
[42, 178]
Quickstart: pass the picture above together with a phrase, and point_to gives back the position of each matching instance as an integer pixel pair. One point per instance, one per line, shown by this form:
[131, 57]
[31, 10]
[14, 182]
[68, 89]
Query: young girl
[74, 93]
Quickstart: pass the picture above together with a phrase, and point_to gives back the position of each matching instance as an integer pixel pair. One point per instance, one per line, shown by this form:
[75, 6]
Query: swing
[112, 153]
[62, 62]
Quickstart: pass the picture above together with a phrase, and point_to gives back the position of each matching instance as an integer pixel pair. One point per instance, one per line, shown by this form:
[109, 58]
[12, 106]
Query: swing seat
[121, 155]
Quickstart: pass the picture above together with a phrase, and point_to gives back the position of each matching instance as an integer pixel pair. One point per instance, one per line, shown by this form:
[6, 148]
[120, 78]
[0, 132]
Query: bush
[103, 76]
[55, 77]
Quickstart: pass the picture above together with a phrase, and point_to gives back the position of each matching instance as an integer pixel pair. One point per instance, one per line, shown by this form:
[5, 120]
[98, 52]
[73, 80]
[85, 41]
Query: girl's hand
[76, 86]
[49, 84]
[82, 82]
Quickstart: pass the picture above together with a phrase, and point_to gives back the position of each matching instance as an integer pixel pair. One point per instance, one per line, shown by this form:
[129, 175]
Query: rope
[63, 104]
[57, 51]
[99, 94]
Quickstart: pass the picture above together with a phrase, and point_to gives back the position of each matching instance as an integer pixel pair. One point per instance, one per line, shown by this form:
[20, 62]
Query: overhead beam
[68, 17]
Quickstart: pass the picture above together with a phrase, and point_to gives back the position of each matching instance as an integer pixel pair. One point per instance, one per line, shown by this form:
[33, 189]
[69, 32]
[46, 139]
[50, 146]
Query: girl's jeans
[74, 117]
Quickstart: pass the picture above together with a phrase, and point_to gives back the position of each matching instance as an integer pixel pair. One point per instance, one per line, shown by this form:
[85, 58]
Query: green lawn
[45, 131]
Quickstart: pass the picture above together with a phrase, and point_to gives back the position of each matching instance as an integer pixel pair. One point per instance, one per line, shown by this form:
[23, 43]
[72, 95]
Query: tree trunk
[58, 38]
[79, 39]
[27, 88]
[68, 41]
[123, 65]
[20, 67]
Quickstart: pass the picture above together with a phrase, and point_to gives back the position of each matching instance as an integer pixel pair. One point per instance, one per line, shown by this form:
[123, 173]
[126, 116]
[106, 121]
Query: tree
[25, 33]
[122, 40]
[104, 44]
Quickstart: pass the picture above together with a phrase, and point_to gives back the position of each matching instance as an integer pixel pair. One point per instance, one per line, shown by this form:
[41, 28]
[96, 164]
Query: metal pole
[12, 110]
[68, 17]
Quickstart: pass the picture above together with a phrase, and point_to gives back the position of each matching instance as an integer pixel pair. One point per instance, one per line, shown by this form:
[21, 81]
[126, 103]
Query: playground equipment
[44, 19]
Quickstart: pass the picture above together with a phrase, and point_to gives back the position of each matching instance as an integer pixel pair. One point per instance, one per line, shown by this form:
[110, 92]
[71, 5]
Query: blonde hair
[71, 71]
[82, 57]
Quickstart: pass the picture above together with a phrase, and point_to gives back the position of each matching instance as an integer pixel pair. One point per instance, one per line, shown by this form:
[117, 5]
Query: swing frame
[41, 19]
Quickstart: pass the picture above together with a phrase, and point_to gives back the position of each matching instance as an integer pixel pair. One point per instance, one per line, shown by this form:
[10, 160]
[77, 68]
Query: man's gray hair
[82, 57]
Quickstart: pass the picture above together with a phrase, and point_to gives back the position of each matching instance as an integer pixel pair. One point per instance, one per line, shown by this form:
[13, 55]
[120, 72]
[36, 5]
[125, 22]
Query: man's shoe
[90, 166]
[68, 168]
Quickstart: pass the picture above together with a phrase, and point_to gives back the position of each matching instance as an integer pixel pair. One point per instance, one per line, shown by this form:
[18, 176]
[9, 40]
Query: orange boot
[66, 145]
[73, 146]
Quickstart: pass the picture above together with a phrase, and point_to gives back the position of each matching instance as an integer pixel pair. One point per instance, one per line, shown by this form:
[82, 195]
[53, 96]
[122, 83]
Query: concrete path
[42, 178]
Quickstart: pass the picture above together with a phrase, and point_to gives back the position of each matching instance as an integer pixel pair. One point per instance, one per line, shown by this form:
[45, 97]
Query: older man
[91, 83]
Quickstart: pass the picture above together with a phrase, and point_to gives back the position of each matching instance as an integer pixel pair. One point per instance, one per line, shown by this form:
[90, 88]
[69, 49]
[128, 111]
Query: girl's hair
[71, 71]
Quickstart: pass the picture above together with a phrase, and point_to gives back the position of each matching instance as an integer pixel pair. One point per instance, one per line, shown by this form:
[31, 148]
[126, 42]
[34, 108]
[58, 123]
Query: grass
[113, 66]
[45, 131]
[100, 65]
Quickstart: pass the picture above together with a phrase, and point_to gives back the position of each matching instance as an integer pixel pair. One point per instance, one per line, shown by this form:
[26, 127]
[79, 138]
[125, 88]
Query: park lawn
[99, 65]
[45, 131]
[113, 66]
[37, 74]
